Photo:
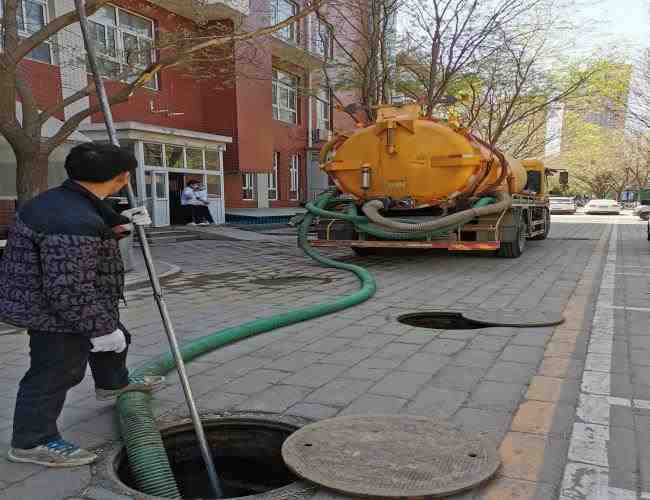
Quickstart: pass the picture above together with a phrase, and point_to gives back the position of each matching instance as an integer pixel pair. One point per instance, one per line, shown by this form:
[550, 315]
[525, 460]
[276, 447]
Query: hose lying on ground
[148, 459]
[144, 446]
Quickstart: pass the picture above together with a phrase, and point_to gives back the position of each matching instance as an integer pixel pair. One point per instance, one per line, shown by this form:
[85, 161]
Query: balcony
[207, 9]
[286, 48]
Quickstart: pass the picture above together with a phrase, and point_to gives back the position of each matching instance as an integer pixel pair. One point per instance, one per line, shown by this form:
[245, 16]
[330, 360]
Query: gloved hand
[114, 342]
[138, 216]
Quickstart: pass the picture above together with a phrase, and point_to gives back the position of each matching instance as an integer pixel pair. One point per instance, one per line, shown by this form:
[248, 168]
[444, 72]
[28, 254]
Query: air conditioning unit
[320, 135]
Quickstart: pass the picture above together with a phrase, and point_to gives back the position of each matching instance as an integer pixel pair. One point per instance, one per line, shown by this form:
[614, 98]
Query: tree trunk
[31, 175]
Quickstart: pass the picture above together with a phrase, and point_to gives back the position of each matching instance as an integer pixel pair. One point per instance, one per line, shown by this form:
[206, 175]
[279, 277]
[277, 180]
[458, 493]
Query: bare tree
[364, 38]
[31, 149]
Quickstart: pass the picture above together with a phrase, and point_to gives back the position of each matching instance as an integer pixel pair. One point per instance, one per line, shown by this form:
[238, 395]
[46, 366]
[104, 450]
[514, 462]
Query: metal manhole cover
[390, 456]
[531, 319]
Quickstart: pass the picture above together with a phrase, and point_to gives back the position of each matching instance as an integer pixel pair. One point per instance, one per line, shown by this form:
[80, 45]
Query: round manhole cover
[390, 456]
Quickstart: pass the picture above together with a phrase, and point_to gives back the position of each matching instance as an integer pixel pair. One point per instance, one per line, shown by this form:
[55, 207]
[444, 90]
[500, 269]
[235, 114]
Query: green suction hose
[144, 446]
[147, 457]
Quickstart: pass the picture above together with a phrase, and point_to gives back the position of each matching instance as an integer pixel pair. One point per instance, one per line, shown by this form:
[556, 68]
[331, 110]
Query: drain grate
[390, 456]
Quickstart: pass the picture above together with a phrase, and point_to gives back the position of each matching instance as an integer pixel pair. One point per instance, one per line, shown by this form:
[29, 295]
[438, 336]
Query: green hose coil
[144, 446]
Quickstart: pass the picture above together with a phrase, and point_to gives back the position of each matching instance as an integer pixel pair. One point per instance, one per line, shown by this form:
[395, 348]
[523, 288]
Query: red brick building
[249, 140]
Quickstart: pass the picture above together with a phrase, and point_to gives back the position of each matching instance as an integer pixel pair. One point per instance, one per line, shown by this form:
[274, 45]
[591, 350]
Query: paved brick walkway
[520, 386]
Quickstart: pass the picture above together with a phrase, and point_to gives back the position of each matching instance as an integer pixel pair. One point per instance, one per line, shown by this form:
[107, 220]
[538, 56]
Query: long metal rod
[155, 283]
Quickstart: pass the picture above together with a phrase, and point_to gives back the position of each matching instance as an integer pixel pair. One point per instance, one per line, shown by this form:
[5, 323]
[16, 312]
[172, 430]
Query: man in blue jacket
[62, 277]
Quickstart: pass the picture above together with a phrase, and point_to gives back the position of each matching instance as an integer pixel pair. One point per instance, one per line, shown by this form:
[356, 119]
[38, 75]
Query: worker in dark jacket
[62, 277]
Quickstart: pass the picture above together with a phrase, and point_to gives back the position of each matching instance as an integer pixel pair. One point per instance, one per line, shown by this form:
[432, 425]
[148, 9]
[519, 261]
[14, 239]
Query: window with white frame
[281, 10]
[285, 97]
[324, 109]
[273, 177]
[248, 186]
[163, 156]
[321, 42]
[124, 43]
[294, 177]
[31, 16]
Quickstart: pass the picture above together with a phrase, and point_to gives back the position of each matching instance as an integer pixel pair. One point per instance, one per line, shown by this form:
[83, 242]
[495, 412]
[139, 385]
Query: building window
[31, 16]
[321, 43]
[273, 178]
[324, 109]
[285, 97]
[248, 189]
[161, 156]
[124, 43]
[281, 10]
[294, 177]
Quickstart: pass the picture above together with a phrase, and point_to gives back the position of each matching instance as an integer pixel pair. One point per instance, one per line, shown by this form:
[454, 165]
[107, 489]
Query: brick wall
[7, 208]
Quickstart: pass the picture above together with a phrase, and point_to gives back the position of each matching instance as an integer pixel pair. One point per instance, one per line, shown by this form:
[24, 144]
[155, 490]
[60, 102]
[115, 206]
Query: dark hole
[247, 457]
[440, 321]
[473, 455]
[308, 444]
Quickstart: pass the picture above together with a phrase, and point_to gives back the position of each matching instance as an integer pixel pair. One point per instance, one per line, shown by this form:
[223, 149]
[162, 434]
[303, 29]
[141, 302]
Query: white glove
[114, 342]
[138, 216]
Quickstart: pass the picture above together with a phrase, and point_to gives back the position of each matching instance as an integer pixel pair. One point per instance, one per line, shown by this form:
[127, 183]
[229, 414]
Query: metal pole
[155, 283]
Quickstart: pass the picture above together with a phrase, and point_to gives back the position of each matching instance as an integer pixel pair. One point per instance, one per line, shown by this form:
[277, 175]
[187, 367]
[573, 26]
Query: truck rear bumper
[455, 246]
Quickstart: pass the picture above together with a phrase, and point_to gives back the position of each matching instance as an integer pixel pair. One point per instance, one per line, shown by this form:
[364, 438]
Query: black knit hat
[92, 162]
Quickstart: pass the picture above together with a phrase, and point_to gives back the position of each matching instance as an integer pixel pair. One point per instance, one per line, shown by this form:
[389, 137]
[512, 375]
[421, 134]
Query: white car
[603, 207]
[561, 205]
[642, 211]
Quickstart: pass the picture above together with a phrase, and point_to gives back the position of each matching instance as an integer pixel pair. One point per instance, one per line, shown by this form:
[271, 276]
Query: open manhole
[439, 321]
[443, 320]
[391, 456]
[246, 451]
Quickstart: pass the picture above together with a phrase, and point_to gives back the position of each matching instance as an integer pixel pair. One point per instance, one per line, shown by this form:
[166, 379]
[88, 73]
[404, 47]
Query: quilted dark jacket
[61, 270]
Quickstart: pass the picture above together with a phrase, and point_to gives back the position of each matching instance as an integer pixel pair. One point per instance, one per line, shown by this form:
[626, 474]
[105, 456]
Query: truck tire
[644, 215]
[648, 232]
[514, 249]
[547, 226]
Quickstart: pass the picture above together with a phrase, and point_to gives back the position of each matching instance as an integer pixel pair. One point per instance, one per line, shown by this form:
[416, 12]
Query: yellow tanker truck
[406, 181]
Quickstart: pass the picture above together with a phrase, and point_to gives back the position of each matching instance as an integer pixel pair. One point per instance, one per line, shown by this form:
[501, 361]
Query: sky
[620, 20]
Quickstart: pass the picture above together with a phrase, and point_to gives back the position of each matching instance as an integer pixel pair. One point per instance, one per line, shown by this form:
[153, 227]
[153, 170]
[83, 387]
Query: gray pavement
[503, 382]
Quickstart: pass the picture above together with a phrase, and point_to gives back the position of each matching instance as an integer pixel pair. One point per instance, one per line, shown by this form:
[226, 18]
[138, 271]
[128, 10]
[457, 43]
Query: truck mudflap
[456, 246]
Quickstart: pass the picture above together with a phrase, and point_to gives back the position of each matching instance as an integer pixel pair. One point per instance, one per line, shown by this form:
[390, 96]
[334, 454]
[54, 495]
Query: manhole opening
[247, 455]
[440, 321]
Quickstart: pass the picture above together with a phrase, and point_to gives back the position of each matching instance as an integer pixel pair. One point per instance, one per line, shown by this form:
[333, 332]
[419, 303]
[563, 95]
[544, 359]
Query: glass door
[160, 199]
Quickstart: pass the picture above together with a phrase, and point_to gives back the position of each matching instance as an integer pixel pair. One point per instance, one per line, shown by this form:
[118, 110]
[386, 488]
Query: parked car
[603, 207]
[642, 211]
[562, 205]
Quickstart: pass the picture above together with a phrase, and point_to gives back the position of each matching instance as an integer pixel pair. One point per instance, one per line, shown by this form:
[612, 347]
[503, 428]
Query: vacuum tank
[417, 162]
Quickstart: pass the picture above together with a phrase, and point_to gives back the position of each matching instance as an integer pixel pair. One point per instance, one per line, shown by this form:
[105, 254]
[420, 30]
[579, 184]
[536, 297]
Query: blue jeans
[58, 363]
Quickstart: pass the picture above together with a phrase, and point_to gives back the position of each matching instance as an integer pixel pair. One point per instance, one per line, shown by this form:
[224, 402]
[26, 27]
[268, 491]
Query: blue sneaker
[56, 453]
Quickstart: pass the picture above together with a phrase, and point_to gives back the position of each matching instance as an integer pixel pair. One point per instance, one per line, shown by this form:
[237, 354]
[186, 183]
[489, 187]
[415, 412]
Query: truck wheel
[513, 249]
[644, 215]
[648, 232]
[547, 227]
